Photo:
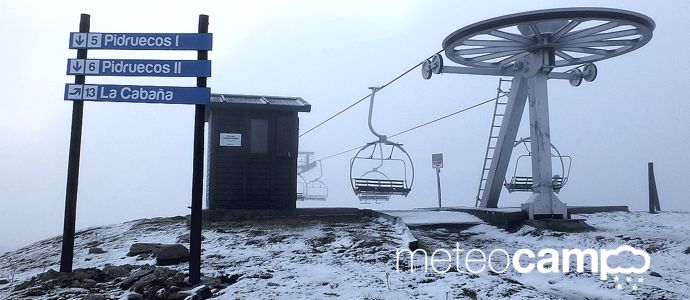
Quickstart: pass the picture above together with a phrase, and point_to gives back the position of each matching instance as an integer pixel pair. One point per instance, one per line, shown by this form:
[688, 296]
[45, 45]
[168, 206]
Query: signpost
[139, 67]
[137, 93]
[141, 41]
[437, 163]
[79, 91]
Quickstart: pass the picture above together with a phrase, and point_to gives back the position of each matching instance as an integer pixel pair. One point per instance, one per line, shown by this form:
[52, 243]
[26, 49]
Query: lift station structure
[529, 47]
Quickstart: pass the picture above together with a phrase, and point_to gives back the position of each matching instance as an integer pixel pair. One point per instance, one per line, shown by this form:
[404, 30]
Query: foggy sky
[136, 159]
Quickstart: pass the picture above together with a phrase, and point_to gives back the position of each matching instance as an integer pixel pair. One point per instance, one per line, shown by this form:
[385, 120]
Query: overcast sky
[136, 158]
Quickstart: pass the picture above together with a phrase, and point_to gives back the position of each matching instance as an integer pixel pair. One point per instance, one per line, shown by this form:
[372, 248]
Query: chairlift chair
[520, 183]
[301, 187]
[316, 190]
[374, 185]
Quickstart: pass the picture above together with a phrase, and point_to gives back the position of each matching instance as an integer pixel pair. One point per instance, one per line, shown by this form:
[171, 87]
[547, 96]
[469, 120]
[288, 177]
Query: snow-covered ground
[355, 258]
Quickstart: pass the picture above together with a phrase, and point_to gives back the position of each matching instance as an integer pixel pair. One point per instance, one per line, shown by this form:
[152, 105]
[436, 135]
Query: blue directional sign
[141, 41]
[137, 93]
[139, 67]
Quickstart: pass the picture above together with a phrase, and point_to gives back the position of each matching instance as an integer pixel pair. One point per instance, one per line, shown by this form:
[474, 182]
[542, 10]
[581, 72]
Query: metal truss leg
[543, 201]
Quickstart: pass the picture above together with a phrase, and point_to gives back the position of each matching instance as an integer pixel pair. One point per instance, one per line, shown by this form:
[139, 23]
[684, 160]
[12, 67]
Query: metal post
[543, 201]
[540, 135]
[197, 173]
[67, 254]
[438, 181]
[654, 206]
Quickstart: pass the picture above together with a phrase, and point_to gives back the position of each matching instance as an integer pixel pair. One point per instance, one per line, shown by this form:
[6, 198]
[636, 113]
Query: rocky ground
[352, 257]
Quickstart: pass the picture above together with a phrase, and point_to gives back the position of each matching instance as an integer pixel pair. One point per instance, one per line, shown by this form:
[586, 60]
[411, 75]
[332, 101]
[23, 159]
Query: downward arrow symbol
[76, 66]
[79, 40]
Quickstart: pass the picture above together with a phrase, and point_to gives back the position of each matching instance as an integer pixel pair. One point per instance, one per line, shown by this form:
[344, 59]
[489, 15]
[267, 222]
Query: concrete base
[547, 204]
[505, 217]
[596, 209]
[513, 217]
[569, 225]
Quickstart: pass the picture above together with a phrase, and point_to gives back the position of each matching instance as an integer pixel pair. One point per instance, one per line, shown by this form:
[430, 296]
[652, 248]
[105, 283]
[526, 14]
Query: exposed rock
[134, 277]
[184, 238]
[180, 295]
[48, 275]
[230, 280]
[144, 282]
[144, 248]
[162, 293]
[687, 251]
[88, 283]
[135, 296]
[173, 282]
[96, 250]
[172, 255]
[202, 292]
[118, 271]
[655, 274]
[4, 281]
[88, 273]
[93, 297]
[273, 284]
[93, 244]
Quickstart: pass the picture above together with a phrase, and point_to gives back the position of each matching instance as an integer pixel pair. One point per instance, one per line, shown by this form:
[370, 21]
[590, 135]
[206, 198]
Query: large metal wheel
[575, 35]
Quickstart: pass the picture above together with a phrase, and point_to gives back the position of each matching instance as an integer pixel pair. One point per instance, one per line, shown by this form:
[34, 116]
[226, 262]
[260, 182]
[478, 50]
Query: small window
[258, 136]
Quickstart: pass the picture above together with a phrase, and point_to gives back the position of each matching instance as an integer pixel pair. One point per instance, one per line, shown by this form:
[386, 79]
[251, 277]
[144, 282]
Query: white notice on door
[231, 139]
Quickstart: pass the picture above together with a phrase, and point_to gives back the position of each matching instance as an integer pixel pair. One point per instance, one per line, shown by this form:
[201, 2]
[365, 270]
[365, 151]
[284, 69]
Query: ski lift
[301, 187]
[375, 174]
[374, 185]
[316, 190]
[313, 189]
[525, 183]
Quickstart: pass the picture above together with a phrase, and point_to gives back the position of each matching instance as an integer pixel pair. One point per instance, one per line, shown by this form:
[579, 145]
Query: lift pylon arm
[504, 72]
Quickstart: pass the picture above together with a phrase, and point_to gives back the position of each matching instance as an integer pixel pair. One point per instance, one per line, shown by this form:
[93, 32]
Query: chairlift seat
[365, 186]
[373, 198]
[524, 184]
[315, 197]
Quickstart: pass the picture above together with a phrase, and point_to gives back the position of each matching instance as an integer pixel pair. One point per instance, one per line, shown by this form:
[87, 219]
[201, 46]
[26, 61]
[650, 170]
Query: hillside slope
[355, 258]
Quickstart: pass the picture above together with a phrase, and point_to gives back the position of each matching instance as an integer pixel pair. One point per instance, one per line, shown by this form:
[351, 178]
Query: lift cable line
[368, 95]
[420, 125]
[448, 115]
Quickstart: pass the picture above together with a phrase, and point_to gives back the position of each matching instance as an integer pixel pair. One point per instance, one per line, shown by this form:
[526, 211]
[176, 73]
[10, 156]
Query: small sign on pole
[139, 67]
[437, 160]
[437, 163]
[140, 41]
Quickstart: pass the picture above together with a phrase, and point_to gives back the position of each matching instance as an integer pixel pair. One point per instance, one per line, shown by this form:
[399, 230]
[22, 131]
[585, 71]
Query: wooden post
[654, 205]
[197, 172]
[67, 254]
